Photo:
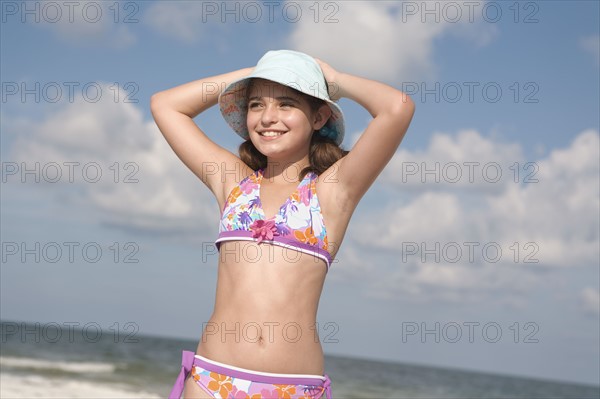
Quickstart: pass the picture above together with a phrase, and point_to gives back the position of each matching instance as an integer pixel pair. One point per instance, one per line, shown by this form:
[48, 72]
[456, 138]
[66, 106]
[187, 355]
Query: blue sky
[529, 318]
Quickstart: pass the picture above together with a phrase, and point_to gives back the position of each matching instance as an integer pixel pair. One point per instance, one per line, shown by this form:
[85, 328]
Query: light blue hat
[290, 68]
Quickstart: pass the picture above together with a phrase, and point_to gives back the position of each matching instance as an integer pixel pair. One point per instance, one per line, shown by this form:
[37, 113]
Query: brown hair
[322, 153]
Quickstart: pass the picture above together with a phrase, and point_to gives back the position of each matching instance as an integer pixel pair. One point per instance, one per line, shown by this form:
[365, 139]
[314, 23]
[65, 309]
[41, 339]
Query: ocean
[58, 361]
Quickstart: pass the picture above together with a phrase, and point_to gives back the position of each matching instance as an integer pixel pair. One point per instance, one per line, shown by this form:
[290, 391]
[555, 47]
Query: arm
[392, 112]
[173, 111]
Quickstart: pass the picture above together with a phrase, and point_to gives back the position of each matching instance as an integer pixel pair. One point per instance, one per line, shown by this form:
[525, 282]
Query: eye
[286, 105]
[254, 104]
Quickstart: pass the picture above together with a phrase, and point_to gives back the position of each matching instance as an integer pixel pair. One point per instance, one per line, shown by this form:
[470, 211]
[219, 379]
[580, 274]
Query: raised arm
[392, 112]
[173, 111]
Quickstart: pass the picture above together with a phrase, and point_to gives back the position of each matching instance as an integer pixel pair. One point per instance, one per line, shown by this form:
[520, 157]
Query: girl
[285, 205]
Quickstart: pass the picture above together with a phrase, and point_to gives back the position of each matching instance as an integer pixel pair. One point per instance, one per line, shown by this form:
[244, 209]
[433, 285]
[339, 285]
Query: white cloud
[558, 213]
[202, 21]
[426, 282]
[382, 39]
[590, 298]
[591, 45]
[553, 221]
[167, 197]
[87, 22]
[466, 160]
[178, 19]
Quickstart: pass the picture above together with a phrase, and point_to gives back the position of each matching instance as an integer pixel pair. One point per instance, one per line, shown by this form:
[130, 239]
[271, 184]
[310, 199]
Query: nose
[269, 114]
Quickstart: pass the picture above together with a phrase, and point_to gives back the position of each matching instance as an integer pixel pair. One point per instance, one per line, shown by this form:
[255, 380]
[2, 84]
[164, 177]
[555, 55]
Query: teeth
[271, 134]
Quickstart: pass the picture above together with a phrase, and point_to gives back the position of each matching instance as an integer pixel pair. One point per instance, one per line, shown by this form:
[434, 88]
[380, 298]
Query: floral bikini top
[298, 224]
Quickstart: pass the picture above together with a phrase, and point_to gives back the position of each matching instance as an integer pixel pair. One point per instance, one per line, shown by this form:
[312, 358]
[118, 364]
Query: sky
[476, 248]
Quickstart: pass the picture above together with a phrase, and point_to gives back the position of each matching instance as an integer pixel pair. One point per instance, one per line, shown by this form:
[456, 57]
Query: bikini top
[298, 225]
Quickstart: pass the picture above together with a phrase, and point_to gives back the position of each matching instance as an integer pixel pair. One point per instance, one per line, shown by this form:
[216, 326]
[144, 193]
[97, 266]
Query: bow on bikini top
[298, 225]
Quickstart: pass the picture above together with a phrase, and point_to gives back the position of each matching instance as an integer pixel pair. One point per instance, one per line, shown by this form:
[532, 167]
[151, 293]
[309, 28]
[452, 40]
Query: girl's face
[280, 120]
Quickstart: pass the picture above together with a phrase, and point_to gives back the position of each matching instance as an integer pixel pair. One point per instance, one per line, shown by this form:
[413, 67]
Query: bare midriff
[265, 309]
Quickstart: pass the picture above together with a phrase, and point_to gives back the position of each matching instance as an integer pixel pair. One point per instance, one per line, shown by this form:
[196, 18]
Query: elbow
[403, 105]
[163, 101]
[157, 101]
[410, 103]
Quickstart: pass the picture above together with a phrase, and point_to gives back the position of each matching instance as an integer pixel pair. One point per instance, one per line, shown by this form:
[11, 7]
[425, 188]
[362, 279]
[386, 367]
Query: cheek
[296, 119]
[251, 118]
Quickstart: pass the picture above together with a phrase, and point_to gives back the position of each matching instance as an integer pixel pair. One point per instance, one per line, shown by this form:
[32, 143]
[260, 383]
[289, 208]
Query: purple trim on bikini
[189, 359]
[226, 235]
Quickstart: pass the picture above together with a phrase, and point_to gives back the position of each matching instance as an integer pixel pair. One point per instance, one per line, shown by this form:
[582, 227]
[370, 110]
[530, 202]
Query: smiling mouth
[271, 133]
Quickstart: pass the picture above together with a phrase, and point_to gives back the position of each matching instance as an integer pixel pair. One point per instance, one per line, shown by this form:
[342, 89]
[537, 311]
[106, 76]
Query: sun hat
[290, 68]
